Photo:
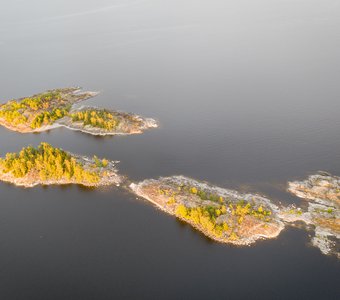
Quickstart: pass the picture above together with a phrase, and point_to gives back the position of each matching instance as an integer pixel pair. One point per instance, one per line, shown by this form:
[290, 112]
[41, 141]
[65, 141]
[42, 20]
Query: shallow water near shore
[247, 97]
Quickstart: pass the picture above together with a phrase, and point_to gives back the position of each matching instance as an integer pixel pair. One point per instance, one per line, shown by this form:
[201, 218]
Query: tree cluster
[36, 111]
[47, 117]
[204, 217]
[47, 163]
[96, 118]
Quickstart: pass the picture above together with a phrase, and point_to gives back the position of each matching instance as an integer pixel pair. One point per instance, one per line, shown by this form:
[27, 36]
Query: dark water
[247, 94]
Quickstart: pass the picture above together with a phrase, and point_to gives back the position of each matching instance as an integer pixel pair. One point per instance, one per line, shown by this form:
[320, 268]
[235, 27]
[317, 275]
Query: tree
[181, 211]
[193, 190]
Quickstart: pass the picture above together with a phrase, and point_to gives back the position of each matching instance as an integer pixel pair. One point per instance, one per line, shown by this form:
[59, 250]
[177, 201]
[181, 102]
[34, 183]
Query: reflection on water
[246, 93]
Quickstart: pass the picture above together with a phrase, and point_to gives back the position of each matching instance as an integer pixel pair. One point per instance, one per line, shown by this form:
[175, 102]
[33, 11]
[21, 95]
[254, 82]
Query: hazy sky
[266, 36]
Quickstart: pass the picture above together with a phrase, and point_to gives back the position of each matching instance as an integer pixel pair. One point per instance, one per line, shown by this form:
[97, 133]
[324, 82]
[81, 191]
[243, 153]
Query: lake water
[247, 95]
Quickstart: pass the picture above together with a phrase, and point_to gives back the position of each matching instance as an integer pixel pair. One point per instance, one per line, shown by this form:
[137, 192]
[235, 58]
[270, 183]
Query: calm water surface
[247, 94]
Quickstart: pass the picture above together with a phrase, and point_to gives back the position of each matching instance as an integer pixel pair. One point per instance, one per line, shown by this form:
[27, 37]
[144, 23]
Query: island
[47, 165]
[229, 216]
[40, 112]
[322, 193]
[223, 215]
[56, 108]
[98, 121]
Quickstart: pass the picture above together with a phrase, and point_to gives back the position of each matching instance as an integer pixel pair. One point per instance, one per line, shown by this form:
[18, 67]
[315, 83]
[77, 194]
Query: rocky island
[223, 215]
[56, 108]
[322, 193]
[98, 121]
[46, 165]
[231, 217]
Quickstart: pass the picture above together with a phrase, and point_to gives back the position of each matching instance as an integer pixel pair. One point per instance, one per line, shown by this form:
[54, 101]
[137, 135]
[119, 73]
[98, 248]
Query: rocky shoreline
[322, 193]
